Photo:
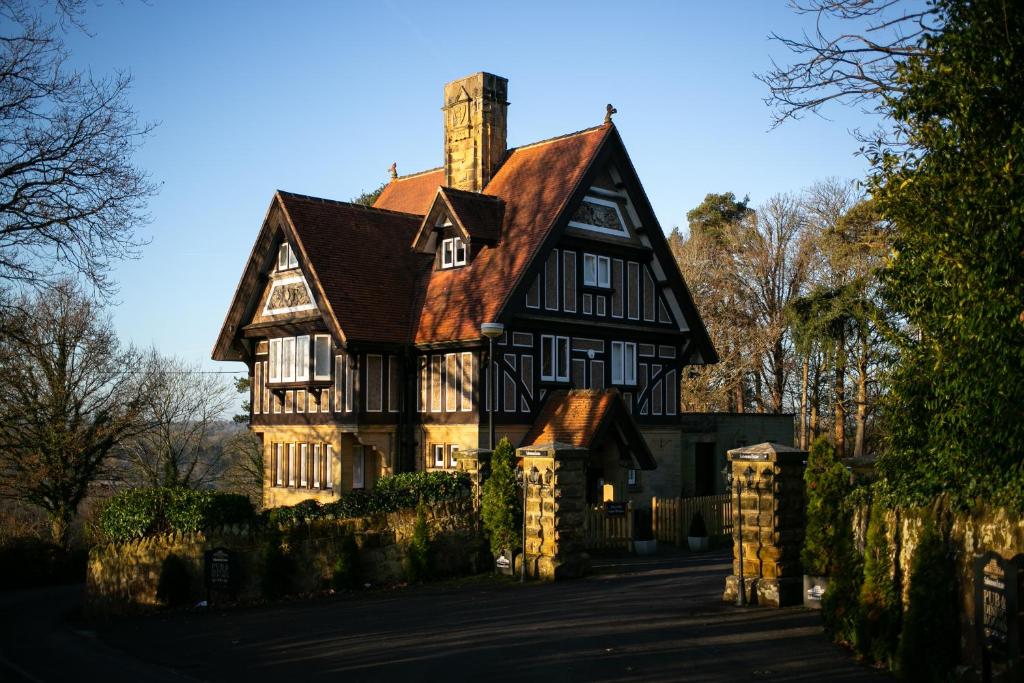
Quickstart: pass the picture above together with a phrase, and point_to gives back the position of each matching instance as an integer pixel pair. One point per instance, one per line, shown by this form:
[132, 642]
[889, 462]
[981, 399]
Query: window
[597, 271]
[316, 465]
[329, 457]
[291, 464]
[460, 252]
[257, 387]
[275, 360]
[623, 363]
[438, 449]
[358, 466]
[631, 478]
[279, 463]
[453, 455]
[303, 464]
[288, 359]
[554, 358]
[322, 357]
[286, 257]
[302, 358]
[448, 253]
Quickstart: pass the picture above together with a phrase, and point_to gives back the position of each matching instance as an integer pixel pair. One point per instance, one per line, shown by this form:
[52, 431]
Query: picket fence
[671, 516]
[603, 532]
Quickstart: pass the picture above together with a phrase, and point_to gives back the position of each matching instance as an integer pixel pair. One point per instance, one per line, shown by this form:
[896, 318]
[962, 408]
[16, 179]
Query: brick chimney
[475, 115]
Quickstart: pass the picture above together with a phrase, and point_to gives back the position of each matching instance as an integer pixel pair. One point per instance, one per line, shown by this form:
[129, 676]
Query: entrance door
[704, 469]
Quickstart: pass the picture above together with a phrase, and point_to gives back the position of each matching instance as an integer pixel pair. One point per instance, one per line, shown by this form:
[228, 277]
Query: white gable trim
[291, 279]
[598, 228]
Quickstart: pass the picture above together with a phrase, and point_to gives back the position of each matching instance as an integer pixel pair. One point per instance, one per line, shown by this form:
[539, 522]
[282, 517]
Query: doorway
[704, 469]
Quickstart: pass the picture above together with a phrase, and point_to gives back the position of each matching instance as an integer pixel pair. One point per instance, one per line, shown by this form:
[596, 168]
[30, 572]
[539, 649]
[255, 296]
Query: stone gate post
[476, 462]
[555, 499]
[772, 511]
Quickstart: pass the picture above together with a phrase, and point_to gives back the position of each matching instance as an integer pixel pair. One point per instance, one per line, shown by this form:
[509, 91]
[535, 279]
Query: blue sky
[320, 98]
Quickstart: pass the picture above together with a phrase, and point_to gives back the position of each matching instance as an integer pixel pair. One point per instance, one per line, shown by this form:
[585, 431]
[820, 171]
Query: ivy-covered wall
[274, 561]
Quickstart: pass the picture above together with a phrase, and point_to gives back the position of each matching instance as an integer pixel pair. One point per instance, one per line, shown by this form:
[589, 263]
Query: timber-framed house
[361, 326]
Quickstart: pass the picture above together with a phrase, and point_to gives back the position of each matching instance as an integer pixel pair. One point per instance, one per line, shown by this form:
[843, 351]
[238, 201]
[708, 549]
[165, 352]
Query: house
[361, 326]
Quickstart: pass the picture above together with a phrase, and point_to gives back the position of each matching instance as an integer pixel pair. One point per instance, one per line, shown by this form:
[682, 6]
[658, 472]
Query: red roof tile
[411, 193]
[480, 214]
[536, 182]
[362, 259]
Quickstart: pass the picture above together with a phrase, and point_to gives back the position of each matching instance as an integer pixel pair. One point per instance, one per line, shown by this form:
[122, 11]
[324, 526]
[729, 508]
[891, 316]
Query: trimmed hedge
[390, 494]
[143, 512]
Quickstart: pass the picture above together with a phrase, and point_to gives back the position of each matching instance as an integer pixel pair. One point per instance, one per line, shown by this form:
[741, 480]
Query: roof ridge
[471, 193]
[310, 198]
[559, 137]
[418, 173]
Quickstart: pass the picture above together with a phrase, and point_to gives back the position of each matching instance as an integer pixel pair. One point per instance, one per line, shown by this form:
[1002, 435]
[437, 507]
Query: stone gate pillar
[476, 462]
[555, 498]
[772, 511]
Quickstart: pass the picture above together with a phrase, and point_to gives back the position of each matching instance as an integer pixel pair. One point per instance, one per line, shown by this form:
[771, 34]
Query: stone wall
[124, 577]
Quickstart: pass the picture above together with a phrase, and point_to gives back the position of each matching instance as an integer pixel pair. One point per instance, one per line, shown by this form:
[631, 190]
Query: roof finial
[393, 170]
[608, 111]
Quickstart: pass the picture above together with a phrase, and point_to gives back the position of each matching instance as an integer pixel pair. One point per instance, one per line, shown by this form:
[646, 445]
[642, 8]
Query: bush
[142, 512]
[418, 556]
[879, 596]
[174, 587]
[930, 639]
[347, 572]
[828, 519]
[697, 526]
[501, 501]
[840, 606]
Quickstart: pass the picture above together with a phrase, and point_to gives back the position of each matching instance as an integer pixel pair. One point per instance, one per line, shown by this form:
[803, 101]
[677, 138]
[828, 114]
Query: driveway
[658, 619]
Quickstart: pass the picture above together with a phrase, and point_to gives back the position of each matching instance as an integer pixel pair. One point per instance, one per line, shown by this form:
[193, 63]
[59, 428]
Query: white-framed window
[453, 252]
[291, 464]
[623, 363]
[317, 464]
[279, 457]
[275, 360]
[303, 464]
[358, 467]
[322, 357]
[453, 455]
[329, 466]
[286, 257]
[288, 359]
[302, 358]
[554, 358]
[631, 478]
[597, 271]
[438, 454]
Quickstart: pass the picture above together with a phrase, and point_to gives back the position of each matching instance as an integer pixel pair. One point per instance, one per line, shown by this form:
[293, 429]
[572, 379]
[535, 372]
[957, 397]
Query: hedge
[390, 494]
[146, 511]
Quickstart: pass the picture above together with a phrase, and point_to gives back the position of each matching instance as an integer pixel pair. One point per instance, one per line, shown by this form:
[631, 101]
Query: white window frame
[358, 467]
[624, 363]
[303, 465]
[288, 359]
[275, 360]
[604, 276]
[592, 271]
[438, 449]
[559, 361]
[291, 465]
[322, 342]
[279, 475]
[282, 256]
[631, 478]
[448, 252]
[460, 245]
[302, 358]
[317, 451]
[329, 465]
[453, 460]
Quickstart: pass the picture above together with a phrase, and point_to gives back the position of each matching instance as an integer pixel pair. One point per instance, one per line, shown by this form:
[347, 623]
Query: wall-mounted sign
[750, 456]
[997, 616]
[613, 509]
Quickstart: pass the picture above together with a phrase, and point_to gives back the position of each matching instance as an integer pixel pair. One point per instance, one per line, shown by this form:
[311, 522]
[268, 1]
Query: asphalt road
[658, 619]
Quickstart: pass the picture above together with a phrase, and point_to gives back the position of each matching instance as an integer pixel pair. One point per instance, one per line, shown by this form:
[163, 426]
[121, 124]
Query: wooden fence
[604, 532]
[671, 516]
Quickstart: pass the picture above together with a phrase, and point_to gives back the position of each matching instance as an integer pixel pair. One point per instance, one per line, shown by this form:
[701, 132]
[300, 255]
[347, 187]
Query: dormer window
[286, 257]
[453, 252]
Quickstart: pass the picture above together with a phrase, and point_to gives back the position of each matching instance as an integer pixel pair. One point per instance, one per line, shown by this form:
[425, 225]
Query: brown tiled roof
[536, 183]
[362, 259]
[580, 416]
[480, 214]
[411, 193]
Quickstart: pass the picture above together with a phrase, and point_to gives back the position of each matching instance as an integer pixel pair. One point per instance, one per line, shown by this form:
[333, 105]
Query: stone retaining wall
[124, 577]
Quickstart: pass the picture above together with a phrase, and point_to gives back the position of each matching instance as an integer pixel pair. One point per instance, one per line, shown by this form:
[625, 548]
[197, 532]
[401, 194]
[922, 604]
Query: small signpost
[614, 509]
[503, 563]
[997, 614]
[221, 574]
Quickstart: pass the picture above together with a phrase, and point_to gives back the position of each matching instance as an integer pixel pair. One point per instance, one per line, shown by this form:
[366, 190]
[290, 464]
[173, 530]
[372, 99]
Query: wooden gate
[602, 531]
[671, 516]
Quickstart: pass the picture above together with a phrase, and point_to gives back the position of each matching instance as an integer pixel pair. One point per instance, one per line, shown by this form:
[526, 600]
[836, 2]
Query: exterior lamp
[492, 331]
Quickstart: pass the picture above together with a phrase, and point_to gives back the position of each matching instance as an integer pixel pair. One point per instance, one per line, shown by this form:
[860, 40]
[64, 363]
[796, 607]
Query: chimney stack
[475, 115]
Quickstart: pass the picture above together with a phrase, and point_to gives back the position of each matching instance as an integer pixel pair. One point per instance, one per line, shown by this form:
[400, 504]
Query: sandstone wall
[124, 577]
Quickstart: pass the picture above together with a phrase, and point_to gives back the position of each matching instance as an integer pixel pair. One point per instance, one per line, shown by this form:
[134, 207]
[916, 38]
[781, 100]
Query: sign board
[613, 509]
[503, 563]
[997, 613]
[221, 572]
[750, 456]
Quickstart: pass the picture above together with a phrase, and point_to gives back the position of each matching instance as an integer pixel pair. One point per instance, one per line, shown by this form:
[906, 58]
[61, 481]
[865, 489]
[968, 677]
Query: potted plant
[697, 538]
[827, 484]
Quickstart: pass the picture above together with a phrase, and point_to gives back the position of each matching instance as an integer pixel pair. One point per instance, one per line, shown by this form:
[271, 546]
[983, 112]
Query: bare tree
[185, 415]
[243, 472]
[69, 394]
[71, 199]
[851, 56]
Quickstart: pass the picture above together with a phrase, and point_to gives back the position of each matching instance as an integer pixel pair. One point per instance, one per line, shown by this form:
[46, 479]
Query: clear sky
[320, 98]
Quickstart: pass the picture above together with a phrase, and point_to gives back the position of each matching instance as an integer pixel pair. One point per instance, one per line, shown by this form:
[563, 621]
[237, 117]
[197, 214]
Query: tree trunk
[815, 401]
[839, 396]
[60, 526]
[803, 403]
[862, 396]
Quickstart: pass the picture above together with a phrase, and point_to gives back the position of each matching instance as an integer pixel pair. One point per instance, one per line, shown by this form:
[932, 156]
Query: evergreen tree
[501, 504]
[828, 521]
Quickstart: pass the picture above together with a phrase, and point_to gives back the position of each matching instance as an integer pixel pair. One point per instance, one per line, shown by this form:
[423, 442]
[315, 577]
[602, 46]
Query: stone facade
[772, 516]
[555, 499]
[475, 125]
[124, 577]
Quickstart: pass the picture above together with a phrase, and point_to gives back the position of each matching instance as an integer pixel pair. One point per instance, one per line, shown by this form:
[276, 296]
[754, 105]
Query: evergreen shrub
[829, 521]
[501, 503]
[881, 609]
[135, 513]
[418, 556]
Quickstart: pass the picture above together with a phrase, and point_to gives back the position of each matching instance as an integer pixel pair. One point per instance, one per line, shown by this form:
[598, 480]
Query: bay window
[292, 357]
[322, 357]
